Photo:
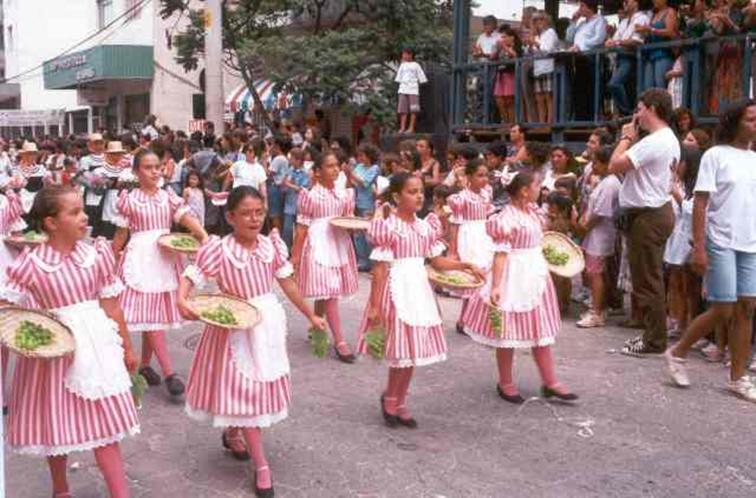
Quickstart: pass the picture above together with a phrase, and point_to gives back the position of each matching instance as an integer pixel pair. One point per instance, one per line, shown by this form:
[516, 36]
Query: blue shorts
[731, 274]
[275, 200]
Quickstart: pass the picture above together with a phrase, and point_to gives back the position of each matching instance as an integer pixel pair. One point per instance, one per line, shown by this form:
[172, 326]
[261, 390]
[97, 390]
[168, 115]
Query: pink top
[320, 202]
[512, 228]
[467, 205]
[142, 212]
[394, 238]
[10, 213]
[239, 271]
[53, 280]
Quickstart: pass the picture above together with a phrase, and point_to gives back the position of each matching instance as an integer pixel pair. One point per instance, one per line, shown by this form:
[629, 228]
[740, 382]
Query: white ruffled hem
[113, 290]
[223, 421]
[12, 296]
[382, 254]
[150, 327]
[285, 271]
[502, 247]
[417, 362]
[64, 450]
[508, 343]
[193, 273]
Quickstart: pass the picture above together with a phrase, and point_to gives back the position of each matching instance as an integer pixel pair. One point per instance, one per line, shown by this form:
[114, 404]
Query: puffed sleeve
[179, 207]
[499, 228]
[437, 246]
[281, 264]
[11, 215]
[18, 277]
[348, 207]
[381, 237]
[304, 208]
[109, 283]
[123, 206]
[456, 203]
[208, 261]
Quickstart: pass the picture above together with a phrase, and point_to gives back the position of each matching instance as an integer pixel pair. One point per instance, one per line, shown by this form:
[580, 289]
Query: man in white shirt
[626, 38]
[645, 196]
[587, 31]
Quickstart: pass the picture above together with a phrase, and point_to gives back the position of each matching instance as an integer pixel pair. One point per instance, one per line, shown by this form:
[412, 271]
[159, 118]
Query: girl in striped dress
[149, 272]
[401, 301]
[83, 401]
[520, 290]
[469, 240]
[240, 379]
[323, 255]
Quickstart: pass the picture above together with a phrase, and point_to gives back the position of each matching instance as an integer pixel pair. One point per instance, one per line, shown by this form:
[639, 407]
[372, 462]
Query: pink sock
[505, 364]
[146, 349]
[110, 461]
[160, 347]
[544, 359]
[58, 465]
[406, 379]
[391, 394]
[334, 320]
[253, 436]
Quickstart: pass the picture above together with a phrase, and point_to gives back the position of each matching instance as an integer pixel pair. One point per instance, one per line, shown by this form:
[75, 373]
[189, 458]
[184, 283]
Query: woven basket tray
[562, 243]
[350, 223]
[11, 318]
[167, 240]
[246, 315]
[19, 241]
[441, 278]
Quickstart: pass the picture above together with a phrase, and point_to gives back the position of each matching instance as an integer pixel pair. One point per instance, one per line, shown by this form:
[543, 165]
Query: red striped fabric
[10, 211]
[150, 212]
[469, 206]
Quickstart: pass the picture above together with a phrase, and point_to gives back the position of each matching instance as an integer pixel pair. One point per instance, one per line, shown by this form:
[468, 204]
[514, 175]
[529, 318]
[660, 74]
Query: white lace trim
[113, 290]
[437, 249]
[18, 226]
[417, 362]
[120, 221]
[222, 421]
[382, 254]
[285, 271]
[193, 273]
[508, 343]
[12, 296]
[64, 450]
[150, 327]
[502, 247]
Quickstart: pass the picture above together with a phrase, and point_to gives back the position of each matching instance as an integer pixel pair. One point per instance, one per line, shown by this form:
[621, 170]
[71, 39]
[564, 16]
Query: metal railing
[472, 106]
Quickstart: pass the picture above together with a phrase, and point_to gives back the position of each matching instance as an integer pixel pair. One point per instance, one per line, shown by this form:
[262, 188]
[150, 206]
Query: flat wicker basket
[563, 244]
[247, 316]
[350, 223]
[11, 318]
[168, 239]
[462, 280]
[19, 241]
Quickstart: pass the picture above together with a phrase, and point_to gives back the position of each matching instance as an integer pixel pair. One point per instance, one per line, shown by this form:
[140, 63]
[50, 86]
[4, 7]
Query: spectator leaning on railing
[626, 38]
[587, 31]
[544, 41]
[661, 28]
[486, 46]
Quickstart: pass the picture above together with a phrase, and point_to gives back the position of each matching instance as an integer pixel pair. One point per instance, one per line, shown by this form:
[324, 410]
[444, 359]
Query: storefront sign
[103, 62]
[31, 118]
[92, 97]
[196, 125]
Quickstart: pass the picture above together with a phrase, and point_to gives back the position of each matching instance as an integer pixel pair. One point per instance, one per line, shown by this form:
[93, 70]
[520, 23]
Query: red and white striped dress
[469, 211]
[528, 303]
[405, 246]
[11, 211]
[146, 214]
[219, 387]
[45, 417]
[328, 268]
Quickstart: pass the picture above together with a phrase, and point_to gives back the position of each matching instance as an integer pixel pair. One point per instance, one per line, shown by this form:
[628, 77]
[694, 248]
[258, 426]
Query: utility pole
[213, 64]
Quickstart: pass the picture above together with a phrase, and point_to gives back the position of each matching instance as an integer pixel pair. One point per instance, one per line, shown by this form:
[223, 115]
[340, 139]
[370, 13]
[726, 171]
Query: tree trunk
[250, 82]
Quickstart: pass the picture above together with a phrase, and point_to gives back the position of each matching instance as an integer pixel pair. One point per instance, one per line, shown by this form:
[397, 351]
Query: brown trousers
[649, 230]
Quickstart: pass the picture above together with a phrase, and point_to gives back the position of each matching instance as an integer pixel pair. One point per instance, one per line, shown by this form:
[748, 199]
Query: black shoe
[548, 392]
[410, 423]
[150, 375]
[514, 399]
[5, 410]
[345, 358]
[174, 385]
[390, 420]
[242, 455]
[461, 329]
[264, 492]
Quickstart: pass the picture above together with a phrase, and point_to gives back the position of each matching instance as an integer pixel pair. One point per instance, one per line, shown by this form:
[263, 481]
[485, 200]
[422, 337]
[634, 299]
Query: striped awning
[241, 98]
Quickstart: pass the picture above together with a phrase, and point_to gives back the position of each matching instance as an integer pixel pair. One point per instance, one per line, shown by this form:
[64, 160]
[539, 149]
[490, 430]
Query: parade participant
[467, 225]
[30, 174]
[80, 402]
[87, 165]
[519, 290]
[149, 273]
[115, 169]
[401, 300]
[240, 379]
[323, 255]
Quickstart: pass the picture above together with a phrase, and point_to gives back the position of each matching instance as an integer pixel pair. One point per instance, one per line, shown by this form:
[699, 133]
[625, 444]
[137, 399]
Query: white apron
[146, 267]
[260, 353]
[330, 245]
[98, 370]
[474, 244]
[27, 199]
[523, 282]
[412, 294]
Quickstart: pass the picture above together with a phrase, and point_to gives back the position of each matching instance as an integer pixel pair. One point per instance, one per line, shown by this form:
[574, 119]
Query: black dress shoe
[345, 358]
[174, 385]
[410, 423]
[5, 410]
[242, 455]
[515, 399]
[548, 392]
[390, 420]
[150, 375]
[461, 329]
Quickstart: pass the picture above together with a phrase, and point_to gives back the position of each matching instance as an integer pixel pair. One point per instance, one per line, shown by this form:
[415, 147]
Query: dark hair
[472, 167]
[318, 161]
[194, 172]
[679, 113]
[391, 158]
[428, 141]
[408, 50]
[702, 137]
[466, 151]
[413, 157]
[283, 143]
[371, 151]
[255, 145]
[506, 29]
[297, 153]
[344, 144]
[442, 191]
[538, 153]
[397, 184]
[520, 180]
[569, 183]
[490, 20]
[603, 154]
[141, 154]
[605, 137]
[691, 156]
[571, 163]
[47, 203]
[498, 148]
[659, 99]
[729, 121]
[562, 203]
[239, 194]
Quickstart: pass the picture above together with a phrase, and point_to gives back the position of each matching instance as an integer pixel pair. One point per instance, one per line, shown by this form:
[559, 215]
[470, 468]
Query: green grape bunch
[318, 342]
[497, 320]
[220, 314]
[452, 279]
[185, 242]
[138, 387]
[34, 236]
[31, 336]
[375, 339]
[554, 256]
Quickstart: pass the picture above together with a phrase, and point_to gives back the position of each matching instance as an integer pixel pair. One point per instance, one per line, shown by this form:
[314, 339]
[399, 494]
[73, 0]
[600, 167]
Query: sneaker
[700, 344]
[639, 349]
[713, 354]
[676, 369]
[752, 368]
[634, 340]
[743, 388]
[591, 320]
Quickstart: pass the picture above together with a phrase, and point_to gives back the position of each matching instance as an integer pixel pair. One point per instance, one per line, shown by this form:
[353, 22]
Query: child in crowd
[297, 180]
[509, 47]
[599, 235]
[277, 171]
[409, 76]
[559, 212]
[362, 178]
[392, 164]
[194, 195]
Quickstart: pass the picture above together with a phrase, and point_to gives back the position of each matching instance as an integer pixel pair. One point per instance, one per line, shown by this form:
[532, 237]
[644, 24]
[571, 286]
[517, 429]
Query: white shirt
[587, 34]
[646, 184]
[548, 41]
[487, 43]
[728, 174]
[626, 27]
[604, 202]
[409, 76]
[341, 181]
[248, 174]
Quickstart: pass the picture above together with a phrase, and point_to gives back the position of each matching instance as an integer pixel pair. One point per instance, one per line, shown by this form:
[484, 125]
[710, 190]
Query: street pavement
[631, 435]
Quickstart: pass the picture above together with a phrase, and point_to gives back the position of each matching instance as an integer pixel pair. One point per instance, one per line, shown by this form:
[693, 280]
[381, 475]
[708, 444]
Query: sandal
[405, 419]
[263, 492]
[150, 375]
[344, 358]
[228, 443]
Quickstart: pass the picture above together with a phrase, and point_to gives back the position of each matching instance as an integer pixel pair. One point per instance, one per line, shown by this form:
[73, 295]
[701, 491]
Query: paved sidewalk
[632, 434]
